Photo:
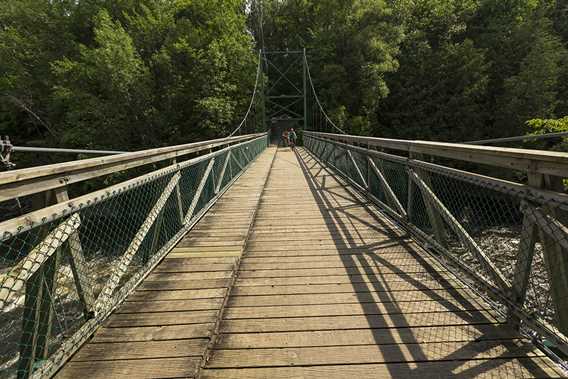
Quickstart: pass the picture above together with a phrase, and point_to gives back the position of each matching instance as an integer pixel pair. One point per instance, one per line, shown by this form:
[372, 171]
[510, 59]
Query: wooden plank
[367, 270]
[360, 261]
[260, 231]
[329, 355]
[206, 253]
[345, 298]
[237, 234]
[178, 250]
[482, 368]
[175, 267]
[118, 320]
[176, 295]
[183, 284]
[339, 235]
[332, 279]
[365, 337]
[319, 244]
[189, 276]
[224, 243]
[140, 350]
[385, 247]
[357, 322]
[343, 288]
[199, 260]
[324, 213]
[170, 306]
[351, 309]
[135, 368]
[334, 255]
[153, 333]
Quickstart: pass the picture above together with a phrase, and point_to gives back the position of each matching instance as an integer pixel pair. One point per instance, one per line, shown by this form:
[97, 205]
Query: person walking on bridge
[292, 137]
[285, 140]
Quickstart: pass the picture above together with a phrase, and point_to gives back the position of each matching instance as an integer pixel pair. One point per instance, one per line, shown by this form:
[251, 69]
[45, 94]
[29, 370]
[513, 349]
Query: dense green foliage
[452, 70]
[123, 74]
[126, 74]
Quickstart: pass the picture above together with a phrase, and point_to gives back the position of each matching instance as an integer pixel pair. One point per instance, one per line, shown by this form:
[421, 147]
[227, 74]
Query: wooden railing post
[555, 256]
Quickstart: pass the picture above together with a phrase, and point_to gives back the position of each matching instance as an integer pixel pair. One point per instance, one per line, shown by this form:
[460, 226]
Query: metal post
[305, 90]
[263, 96]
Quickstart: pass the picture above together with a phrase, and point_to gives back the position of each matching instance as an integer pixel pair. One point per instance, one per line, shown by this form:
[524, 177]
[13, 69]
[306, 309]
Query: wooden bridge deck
[327, 287]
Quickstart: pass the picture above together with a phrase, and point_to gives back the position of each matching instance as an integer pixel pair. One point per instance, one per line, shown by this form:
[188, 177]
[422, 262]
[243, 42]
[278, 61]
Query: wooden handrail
[533, 161]
[19, 224]
[39, 179]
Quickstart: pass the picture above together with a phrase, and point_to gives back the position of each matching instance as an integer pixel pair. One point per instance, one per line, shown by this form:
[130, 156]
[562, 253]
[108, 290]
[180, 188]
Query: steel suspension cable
[258, 71]
[327, 119]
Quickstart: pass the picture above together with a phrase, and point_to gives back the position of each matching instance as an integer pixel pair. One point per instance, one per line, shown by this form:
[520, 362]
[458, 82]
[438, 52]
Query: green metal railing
[508, 241]
[65, 267]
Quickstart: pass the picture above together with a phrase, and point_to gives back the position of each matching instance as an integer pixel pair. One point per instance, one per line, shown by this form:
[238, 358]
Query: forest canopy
[123, 74]
[127, 74]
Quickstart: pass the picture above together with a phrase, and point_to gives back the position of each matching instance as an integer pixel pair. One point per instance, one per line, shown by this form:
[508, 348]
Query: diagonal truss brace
[361, 176]
[524, 262]
[120, 269]
[285, 108]
[283, 75]
[462, 234]
[387, 188]
[77, 262]
[19, 275]
[237, 162]
[200, 188]
[223, 170]
[549, 225]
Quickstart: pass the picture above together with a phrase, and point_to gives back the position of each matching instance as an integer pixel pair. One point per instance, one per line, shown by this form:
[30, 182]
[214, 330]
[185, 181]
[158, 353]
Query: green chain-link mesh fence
[60, 277]
[509, 241]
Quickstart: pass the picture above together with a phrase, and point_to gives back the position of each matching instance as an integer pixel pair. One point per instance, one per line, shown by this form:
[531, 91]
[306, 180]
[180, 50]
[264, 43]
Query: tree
[533, 91]
[546, 126]
[100, 93]
[438, 93]
[123, 74]
[351, 46]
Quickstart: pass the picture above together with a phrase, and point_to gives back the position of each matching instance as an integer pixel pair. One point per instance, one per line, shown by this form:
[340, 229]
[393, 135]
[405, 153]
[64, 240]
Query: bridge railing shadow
[391, 313]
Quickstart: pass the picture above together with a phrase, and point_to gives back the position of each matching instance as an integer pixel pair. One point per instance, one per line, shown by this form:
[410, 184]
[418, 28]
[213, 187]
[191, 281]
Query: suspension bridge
[240, 258]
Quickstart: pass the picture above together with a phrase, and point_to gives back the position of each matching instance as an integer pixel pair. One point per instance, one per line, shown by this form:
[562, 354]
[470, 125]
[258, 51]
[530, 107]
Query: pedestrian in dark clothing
[292, 137]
